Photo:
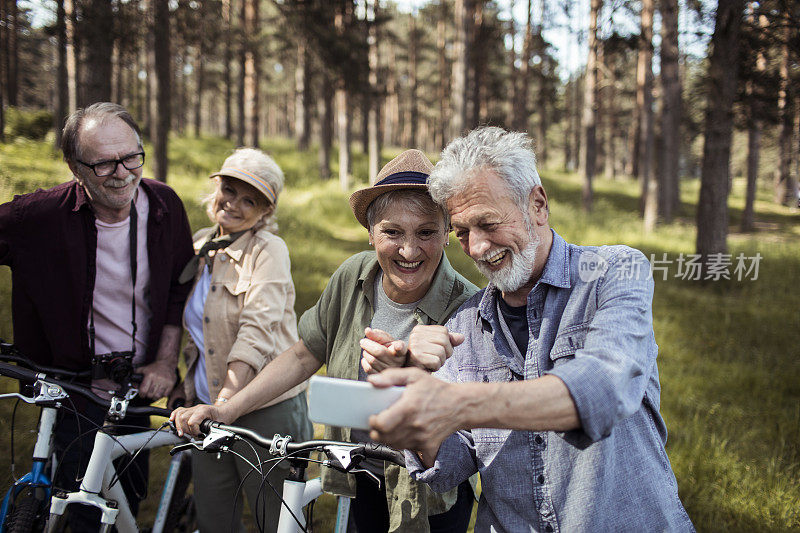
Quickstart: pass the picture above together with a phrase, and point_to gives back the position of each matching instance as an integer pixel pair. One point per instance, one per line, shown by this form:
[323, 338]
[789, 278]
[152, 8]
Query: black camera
[116, 366]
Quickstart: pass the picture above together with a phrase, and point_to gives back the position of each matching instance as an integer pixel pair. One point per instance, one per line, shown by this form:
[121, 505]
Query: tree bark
[160, 109]
[414, 36]
[444, 82]
[73, 54]
[62, 91]
[668, 179]
[227, 57]
[12, 53]
[648, 200]
[784, 186]
[373, 106]
[98, 34]
[302, 110]
[644, 72]
[252, 67]
[521, 103]
[589, 126]
[458, 120]
[200, 68]
[326, 127]
[712, 208]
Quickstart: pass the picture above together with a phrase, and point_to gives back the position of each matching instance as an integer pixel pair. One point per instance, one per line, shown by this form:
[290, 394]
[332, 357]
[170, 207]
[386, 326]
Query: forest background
[672, 126]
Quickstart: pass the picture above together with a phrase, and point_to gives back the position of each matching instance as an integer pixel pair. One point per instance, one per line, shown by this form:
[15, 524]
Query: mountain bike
[297, 492]
[33, 502]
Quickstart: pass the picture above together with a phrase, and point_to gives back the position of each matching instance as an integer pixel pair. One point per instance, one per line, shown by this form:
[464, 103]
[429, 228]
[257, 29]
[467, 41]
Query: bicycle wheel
[28, 515]
[181, 514]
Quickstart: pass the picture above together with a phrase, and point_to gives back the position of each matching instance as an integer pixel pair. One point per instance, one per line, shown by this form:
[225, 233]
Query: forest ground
[728, 360]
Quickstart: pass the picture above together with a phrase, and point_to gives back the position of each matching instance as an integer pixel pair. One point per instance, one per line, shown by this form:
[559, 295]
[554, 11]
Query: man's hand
[380, 351]
[424, 416]
[430, 346]
[187, 420]
[159, 379]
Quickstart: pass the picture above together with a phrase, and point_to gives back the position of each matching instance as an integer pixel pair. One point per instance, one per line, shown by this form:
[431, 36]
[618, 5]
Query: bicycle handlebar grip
[205, 425]
[17, 372]
[373, 450]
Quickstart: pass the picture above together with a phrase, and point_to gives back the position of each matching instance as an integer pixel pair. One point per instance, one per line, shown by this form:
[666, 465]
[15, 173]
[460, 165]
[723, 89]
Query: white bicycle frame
[100, 471]
[298, 494]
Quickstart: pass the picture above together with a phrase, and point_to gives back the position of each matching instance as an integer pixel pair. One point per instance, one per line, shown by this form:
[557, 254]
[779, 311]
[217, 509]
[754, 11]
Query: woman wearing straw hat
[374, 296]
[240, 316]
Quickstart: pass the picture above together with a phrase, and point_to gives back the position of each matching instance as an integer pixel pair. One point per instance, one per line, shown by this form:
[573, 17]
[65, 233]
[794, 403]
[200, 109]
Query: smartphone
[347, 403]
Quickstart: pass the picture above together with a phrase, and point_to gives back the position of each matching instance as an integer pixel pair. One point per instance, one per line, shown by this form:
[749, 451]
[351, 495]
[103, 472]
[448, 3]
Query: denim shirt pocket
[568, 341]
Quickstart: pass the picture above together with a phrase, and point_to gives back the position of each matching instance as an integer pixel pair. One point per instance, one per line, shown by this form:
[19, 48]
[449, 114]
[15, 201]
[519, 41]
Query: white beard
[517, 272]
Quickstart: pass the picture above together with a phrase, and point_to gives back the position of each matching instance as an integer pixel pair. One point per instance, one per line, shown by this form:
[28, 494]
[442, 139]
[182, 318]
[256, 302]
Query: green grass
[728, 359]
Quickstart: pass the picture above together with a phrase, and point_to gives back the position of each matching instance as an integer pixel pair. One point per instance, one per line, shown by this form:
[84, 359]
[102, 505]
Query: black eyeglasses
[106, 168]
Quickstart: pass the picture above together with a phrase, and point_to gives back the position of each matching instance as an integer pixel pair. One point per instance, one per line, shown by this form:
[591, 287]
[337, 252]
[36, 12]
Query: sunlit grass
[728, 351]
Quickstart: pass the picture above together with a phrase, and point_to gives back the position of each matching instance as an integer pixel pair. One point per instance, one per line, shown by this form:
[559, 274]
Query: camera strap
[133, 234]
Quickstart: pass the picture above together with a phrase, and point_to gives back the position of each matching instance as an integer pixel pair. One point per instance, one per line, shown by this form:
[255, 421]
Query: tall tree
[227, 58]
[668, 179]
[302, 111]
[373, 106]
[98, 35]
[644, 92]
[11, 51]
[252, 67]
[326, 126]
[200, 65]
[589, 160]
[648, 200]
[785, 186]
[160, 108]
[342, 23]
[458, 119]
[62, 90]
[754, 125]
[444, 81]
[712, 208]
[521, 101]
[414, 38]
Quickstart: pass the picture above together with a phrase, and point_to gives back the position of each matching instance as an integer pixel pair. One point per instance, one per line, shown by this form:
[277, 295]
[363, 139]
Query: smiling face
[507, 246]
[102, 140]
[238, 205]
[409, 245]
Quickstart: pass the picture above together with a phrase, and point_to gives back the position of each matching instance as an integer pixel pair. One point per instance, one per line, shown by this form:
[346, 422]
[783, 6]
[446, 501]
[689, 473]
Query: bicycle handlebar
[27, 375]
[370, 450]
[10, 354]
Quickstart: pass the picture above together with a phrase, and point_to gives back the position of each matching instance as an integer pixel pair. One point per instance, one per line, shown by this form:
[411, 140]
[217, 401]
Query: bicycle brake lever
[375, 478]
[185, 446]
[216, 438]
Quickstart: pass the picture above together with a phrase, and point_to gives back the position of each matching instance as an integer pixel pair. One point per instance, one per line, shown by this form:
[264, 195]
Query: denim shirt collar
[555, 273]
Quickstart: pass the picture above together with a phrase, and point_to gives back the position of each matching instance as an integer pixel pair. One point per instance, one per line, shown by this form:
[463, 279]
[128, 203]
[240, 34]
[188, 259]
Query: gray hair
[416, 201]
[509, 154]
[256, 162]
[70, 142]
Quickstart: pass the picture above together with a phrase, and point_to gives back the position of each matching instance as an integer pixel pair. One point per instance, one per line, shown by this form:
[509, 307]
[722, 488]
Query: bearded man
[95, 264]
[553, 395]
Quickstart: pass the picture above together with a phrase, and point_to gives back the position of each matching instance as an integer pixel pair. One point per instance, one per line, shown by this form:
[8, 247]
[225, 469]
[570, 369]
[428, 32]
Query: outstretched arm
[289, 369]
[430, 409]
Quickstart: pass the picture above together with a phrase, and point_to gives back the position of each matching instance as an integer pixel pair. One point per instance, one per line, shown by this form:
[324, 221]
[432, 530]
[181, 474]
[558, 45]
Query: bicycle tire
[181, 513]
[27, 516]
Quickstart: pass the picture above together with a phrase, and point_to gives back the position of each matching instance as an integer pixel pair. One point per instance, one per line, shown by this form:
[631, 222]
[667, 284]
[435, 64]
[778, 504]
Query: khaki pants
[218, 482]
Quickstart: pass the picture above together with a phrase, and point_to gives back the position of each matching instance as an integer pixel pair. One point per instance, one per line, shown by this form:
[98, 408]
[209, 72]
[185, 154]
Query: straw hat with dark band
[409, 170]
[258, 182]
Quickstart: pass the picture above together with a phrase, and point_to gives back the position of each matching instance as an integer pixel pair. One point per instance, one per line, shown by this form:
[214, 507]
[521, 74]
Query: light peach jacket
[249, 312]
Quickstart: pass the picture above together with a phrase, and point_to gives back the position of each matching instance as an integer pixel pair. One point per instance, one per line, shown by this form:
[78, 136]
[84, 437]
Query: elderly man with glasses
[95, 265]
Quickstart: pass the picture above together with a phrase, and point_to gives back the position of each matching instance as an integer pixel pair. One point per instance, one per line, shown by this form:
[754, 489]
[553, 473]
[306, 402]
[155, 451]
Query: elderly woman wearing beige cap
[373, 297]
[240, 316]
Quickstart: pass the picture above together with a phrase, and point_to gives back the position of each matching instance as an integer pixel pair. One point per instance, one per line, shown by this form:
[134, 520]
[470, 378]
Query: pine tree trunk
[200, 70]
[712, 208]
[648, 199]
[227, 57]
[373, 106]
[458, 120]
[412, 82]
[62, 91]
[73, 54]
[302, 110]
[521, 103]
[670, 149]
[160, 111]
[97, 32]
[325, 127]
[12, 58]
[589, 125]
[343, 134]
[252, 67]
[784, 187]
[444, 82]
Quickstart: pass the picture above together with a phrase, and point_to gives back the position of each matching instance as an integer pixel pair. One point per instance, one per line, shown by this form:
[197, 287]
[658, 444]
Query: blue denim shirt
[590, 324]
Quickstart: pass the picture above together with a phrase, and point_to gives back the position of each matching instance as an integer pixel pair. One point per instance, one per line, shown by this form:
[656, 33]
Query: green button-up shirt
[332, 329]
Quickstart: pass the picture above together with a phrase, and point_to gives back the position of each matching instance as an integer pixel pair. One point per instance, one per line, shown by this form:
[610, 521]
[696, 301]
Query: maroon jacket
[49, 239]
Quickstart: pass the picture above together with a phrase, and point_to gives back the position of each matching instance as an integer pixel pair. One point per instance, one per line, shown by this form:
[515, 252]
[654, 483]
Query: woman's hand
[380, 351]
[187, 420]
